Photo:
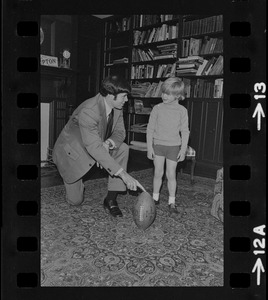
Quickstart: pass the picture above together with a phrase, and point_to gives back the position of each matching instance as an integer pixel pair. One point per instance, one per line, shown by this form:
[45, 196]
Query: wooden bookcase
[156, 47]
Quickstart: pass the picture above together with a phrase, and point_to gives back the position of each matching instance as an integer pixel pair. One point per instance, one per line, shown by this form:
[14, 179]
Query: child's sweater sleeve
[184, 130]
[151, 127]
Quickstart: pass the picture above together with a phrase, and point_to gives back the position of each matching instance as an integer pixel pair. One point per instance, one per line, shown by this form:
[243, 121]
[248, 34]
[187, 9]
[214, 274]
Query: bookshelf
[157, 47]
[116, 45]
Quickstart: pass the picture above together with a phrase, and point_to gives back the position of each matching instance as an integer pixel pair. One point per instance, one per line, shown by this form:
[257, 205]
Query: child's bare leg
[159, 162]
[171, 179]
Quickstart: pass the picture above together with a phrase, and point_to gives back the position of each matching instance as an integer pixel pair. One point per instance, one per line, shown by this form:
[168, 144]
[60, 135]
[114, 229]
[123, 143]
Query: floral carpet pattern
[84, 246]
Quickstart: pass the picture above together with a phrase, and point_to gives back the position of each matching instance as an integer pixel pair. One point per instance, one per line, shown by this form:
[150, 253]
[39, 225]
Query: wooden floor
[137, 161]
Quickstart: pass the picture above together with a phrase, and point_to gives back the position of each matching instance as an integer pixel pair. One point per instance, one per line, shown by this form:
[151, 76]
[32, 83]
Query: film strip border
[244, 152]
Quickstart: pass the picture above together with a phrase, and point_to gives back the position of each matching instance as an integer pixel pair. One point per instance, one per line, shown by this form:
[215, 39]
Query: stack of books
[165, 51]
[196, 65]
[212, 66]
[188, 65]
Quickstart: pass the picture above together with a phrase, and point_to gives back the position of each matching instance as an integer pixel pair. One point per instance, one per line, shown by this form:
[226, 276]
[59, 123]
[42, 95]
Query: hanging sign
[50, 61]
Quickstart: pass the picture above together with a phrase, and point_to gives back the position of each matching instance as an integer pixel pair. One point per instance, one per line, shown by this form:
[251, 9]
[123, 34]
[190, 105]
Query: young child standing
[167, 138]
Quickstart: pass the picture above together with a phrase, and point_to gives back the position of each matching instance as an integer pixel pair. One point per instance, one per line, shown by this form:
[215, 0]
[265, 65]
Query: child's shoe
[172, 208]
[156, 202]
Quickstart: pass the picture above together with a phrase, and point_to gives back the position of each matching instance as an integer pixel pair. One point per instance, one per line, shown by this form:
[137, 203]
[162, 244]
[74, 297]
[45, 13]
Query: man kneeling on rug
[95, 133]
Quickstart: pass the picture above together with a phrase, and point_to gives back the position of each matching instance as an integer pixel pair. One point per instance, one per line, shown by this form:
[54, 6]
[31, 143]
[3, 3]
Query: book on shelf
[171, 46]
[209, 66]
[160, 70]
[142, 71]
[123, 60]
[138, 106]
[151, 36]
[194, 46]
[122, 25]
[201, 67]
[202, 26]
[158, 92]
[154, 53]
[186, 72]
[205, 88]
[185, 47]
[164, 56]
[217, 67]
[150, 90]
[190, 59]
[219, 46]
[169, 70]
[187, 66]
[213, 44]
[218, 88]
[187, 87]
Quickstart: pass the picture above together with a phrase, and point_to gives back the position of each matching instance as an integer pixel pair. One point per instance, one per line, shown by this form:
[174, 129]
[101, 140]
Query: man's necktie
[109, 125]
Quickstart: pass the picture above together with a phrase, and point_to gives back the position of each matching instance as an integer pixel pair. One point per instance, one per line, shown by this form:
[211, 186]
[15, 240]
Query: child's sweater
[168, 125]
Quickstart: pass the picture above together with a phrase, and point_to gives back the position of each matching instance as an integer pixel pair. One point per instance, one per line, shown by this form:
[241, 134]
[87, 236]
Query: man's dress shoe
[112, 207]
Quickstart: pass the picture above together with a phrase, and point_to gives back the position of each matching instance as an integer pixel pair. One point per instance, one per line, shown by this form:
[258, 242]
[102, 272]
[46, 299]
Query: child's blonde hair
[174, 86]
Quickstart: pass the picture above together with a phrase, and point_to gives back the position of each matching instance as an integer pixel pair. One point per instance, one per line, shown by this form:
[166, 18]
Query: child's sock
[111, 195]
[156, 196]
[171, 200]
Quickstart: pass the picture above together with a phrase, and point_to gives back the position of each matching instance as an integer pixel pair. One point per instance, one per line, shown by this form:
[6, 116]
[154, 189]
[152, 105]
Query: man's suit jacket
[79, 145]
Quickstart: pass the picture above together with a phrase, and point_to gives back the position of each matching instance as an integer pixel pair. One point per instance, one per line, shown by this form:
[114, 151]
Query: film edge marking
[258, 266]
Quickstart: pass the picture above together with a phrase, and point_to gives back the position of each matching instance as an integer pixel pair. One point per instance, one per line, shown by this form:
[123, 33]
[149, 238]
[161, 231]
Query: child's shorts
[169, 152]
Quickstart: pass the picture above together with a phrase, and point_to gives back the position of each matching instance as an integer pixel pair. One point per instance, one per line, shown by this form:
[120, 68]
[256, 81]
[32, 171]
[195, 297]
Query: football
[144, 211]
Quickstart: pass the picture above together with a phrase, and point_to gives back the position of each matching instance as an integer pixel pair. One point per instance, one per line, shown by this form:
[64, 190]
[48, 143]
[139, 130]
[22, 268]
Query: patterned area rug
[84, 246]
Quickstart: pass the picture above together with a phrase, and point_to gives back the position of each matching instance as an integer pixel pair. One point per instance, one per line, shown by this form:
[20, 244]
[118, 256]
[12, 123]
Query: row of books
[147, 71]
[164, 18]
[150, 89]
[156, 34]
[194, 88]
[166, 70]
[197, 65]
[202, 26]
[139, 89]
[146, 20]
[207, 45]
[160, 52]
[202, 88]
[123, 25]
[142, 71]
[118, 25]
